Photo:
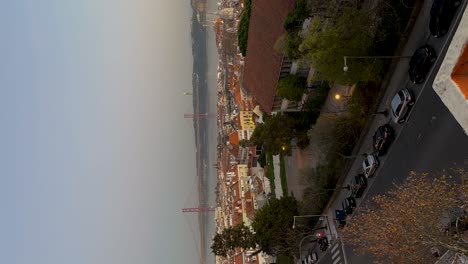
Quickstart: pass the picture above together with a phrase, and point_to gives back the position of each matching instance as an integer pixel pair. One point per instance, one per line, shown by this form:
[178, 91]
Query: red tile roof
[262, 62]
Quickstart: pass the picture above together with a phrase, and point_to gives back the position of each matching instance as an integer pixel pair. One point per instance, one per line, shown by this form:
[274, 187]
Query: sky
[96, 158]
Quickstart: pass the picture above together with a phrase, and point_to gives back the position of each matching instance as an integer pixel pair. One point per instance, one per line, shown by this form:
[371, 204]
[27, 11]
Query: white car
[370, 164]
[400, 105]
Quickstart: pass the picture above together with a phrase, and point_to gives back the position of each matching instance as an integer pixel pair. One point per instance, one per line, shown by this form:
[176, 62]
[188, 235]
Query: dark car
[340, 217]
[323, 243]
[348, 205]
[358, 185]
[442, 13]
[382, 139]
[421, 63]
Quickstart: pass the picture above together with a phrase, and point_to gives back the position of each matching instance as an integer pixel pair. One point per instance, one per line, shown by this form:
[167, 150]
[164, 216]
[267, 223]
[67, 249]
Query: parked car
[358, 185]
[340, 217]
[382, 139]
[348, 205]
[370, 165]
[400, 105]
[442, 13]
[323, 243]
[421, 63]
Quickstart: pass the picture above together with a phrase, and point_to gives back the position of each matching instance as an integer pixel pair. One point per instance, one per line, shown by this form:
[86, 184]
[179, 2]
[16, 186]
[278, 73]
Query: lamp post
[345, 67]
[302, 240]
[308, 216]
[300, 245]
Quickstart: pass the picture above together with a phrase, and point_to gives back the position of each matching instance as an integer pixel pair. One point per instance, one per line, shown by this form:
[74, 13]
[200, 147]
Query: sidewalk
[395, 80]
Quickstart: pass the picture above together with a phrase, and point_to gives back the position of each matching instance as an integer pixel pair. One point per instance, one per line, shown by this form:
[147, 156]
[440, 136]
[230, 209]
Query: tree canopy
[275, 132]
[273, 226]
[352, 34]
[239, 236]
[291, 87]
[243, 31]
[294, 19]
[406, 223]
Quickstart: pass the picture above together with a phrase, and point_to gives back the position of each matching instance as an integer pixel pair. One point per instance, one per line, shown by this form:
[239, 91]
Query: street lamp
[339, 96]
[345, 67]
[307, 216]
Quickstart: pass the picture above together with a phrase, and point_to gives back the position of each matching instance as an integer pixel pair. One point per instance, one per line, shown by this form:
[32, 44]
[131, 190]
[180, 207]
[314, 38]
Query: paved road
[430, 141]
[333, 255]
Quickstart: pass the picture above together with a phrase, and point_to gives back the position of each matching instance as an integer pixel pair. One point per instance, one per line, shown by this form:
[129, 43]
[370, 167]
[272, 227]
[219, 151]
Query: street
[430, 141]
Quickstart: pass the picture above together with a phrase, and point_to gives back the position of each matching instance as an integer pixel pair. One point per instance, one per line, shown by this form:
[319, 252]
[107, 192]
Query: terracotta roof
[234, 138]
[262, 62]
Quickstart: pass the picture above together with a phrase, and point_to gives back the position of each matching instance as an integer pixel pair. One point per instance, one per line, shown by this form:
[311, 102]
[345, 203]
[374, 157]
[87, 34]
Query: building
[451, 82]
[263, 65]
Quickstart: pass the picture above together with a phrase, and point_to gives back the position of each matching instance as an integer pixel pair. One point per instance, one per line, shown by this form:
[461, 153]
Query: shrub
[243, 31]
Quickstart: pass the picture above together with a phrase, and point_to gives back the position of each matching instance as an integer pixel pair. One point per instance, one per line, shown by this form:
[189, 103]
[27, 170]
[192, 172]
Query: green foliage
[295, 18]
[348, 128]
[244, 143]
[291, 87]
[273, 223]
[314, 105]
[352, 34]
[284, 180]
[282, 259]
[291, 45]
[262, 159]
[271, 172]
[239, 236]
[319, 182]
[243, 31]
[275, 132]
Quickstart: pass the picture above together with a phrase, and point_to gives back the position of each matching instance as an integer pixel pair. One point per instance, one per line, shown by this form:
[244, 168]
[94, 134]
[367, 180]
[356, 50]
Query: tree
[294, 19]
[239, 236]
[406, 223]
[291, 87]
[273, 227]
[352, 34]
[243, 31]
[276, 132]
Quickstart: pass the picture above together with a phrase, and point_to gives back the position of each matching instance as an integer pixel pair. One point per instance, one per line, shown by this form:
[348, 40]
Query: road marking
[337, 260]
[335, 247]
[336, 254]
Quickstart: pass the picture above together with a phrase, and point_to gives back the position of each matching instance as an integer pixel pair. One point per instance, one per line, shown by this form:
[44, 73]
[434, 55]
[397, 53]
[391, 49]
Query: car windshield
[396, 105]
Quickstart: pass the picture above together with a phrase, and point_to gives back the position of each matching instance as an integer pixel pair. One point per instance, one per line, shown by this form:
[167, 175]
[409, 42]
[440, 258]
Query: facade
[451, 82]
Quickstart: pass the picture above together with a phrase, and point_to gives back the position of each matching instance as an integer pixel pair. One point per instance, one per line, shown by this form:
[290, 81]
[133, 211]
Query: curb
[383, 88]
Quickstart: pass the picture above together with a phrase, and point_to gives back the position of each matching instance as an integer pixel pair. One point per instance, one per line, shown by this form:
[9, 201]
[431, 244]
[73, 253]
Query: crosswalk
[336, 254]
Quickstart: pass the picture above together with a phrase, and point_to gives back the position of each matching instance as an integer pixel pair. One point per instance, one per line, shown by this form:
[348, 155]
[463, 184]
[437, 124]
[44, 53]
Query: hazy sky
[96, 158]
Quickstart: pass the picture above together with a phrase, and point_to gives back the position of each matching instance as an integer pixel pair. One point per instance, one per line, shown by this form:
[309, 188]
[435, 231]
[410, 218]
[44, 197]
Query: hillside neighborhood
[319, 106]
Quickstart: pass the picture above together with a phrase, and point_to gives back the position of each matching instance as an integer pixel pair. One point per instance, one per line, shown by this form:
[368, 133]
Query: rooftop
[262, 62]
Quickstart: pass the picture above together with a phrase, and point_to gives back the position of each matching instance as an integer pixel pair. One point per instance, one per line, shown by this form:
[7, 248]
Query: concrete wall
[451, 82]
